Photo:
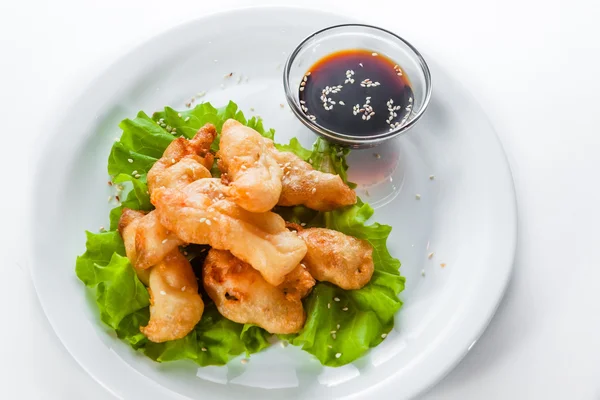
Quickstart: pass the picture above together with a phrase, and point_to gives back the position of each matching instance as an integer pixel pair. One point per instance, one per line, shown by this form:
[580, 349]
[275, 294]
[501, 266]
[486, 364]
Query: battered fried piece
[147, 242]
[302, 185]
[175, 304]
[297, 284]
[184, 161]
[242, 295]
[200, 213]
[337, 258]
[246, 159]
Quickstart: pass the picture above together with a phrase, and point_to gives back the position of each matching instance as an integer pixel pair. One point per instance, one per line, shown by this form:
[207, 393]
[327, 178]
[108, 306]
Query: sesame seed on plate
[430, 255]
[109, 198]
[443, 265]
[244, 361]
[418, 196]
[422, 272]
[432, 177]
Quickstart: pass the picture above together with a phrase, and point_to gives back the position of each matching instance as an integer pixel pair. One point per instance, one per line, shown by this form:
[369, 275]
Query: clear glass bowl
[357, 36]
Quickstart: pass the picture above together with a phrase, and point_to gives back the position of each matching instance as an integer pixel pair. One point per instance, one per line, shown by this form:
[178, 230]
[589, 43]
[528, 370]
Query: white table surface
[534, 67]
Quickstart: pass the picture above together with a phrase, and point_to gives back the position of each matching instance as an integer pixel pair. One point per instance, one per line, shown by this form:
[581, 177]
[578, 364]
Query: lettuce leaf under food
[214, 341]
[365, 316]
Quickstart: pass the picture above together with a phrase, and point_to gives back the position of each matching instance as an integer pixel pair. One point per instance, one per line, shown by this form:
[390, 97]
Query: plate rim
[61, 118]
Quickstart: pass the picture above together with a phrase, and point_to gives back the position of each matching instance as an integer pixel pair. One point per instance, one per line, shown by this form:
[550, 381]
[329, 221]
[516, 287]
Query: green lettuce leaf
[366, 315]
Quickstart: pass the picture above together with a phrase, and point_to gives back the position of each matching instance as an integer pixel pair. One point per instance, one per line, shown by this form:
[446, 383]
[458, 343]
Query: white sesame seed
[418, 196]
[336, 299]
[201, 220]
[328, 305]
[314, 190]
[330, 346]
[109, 198]
[204, 349]
[377, 155]
[162, 292]
[338, 355]
[130, 160]
[338, 326]
[341, 103]
[302, 88]
[102, 229]
[164, 241]
[183, 288]
[422, 272]
[186, 119]
[345, 309]
[430, 255]
[361, 64]
[383, 335]
[332, 332]
[244, 361]
[432, 177]
[334, 336]
[303, 224]
[208, 222]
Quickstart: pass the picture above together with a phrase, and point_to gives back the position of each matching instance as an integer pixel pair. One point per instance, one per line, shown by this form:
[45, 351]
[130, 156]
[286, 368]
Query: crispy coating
[200, 213]
[302, 185]
[337, 258]
[175, 304]
[146, 240]
[297, 284]
[242, 295]
[246, 159]
[184, 161]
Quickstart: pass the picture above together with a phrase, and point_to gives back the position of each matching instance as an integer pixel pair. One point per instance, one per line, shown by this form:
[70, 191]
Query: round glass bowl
[357, 36]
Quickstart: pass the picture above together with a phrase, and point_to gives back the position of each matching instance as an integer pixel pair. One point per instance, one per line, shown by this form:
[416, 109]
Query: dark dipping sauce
[356, 92]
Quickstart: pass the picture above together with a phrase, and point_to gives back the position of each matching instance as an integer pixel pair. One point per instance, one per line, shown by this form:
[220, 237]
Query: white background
[534, 67]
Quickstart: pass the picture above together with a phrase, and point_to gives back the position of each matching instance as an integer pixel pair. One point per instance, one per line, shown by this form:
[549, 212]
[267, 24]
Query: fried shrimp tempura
[297, 284]
[303, 185]
[246, 159]
[337, 258]
[175, 304]
[184, 161]
[147, 242]
[200, 213]
[242, 295]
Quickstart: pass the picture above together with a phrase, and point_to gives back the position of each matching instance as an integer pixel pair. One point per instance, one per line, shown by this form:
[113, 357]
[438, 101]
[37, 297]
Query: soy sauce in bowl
[356, 92]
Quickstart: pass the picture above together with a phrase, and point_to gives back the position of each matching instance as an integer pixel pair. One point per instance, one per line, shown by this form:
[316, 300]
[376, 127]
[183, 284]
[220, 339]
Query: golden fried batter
[147, 242]
[297, 284]
[184, 161]
[200, 213]
[303, 185]
[246, 159]
[175, 304]
[242, 295]
[337, 258]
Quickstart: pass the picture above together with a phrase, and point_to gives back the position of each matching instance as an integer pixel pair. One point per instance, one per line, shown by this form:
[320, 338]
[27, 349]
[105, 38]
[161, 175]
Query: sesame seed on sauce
[331, 83]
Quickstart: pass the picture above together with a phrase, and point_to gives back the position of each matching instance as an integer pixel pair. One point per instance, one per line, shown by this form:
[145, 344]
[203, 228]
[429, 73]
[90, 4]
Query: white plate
[466, 215]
